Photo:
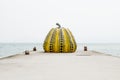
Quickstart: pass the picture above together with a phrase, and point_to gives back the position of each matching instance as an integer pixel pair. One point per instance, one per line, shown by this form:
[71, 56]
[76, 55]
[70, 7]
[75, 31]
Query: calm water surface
[7, 49]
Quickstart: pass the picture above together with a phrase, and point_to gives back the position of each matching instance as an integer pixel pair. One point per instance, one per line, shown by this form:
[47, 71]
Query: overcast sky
[91, 21]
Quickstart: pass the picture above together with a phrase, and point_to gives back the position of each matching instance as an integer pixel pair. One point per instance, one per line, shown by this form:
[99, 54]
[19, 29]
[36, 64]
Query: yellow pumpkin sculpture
[59, 40]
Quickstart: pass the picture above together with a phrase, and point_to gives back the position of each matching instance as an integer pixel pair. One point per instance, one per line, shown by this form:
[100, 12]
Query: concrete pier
[88, 65]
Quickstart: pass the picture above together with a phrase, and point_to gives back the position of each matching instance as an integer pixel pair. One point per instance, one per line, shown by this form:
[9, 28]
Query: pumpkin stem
[59, 26]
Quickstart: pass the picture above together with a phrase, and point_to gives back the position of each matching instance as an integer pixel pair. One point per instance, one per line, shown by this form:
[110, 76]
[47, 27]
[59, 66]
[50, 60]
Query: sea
[8, 49]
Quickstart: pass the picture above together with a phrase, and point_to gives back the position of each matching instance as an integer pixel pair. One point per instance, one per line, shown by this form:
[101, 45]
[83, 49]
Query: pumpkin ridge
[51, 48]
[47, 40]
[69, 41]
[61, 41]
[75, 45]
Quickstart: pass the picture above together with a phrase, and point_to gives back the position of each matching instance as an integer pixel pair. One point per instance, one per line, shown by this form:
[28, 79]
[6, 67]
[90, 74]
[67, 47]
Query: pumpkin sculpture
[59, 40]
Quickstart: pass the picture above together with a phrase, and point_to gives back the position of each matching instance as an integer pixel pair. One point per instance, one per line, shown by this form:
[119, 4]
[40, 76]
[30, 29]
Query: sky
[91, 21]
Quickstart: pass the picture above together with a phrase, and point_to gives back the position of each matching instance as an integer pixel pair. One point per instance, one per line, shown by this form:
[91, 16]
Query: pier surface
[89, 65]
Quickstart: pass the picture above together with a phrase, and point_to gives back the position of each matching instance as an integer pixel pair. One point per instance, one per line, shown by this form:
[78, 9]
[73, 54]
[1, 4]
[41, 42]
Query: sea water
[107, 48]
[7, 49]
